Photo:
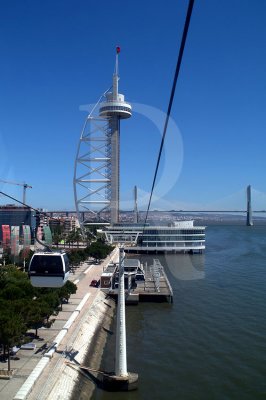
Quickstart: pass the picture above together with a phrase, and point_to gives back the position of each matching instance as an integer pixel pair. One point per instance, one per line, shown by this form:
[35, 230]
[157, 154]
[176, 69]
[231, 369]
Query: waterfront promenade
[26, 361]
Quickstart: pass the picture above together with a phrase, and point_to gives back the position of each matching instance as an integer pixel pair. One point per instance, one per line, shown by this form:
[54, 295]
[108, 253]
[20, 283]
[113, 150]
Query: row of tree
[76, 236]
[97, 250]
[23, 307]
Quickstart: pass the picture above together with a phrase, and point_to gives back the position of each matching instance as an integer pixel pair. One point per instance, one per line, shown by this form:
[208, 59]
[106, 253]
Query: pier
[155, 288]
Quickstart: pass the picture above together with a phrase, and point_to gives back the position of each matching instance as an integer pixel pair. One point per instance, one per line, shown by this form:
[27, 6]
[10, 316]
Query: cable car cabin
[49, 269]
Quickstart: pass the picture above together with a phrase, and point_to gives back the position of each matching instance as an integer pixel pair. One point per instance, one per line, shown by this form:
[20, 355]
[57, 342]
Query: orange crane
[25, 187]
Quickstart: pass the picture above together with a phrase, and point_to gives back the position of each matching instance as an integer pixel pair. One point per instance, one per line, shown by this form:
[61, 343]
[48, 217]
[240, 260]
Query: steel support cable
[178, 65]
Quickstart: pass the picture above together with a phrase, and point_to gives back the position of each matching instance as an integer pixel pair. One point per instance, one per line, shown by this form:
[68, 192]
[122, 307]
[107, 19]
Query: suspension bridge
[248, 195]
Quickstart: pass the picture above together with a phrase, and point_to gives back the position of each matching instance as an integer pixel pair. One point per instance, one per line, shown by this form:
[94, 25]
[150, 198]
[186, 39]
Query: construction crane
[25, 187]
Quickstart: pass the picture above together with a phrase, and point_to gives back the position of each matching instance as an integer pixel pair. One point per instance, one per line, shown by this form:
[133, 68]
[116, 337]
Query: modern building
[178, 236]
[67, 224]
[13, 215]
[70, 224]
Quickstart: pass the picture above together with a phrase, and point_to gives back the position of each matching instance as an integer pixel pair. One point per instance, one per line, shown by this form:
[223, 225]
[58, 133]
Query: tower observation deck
[115, 108]
[97, 167]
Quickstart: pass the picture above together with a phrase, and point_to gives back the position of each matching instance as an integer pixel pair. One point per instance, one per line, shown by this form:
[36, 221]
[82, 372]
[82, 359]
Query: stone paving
[28, 359]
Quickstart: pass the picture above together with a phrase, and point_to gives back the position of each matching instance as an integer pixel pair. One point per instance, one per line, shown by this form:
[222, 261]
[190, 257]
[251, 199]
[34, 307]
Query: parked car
[95, 283]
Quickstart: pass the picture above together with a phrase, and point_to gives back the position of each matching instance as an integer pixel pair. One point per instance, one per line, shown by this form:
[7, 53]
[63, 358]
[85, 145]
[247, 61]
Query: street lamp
[24, 262]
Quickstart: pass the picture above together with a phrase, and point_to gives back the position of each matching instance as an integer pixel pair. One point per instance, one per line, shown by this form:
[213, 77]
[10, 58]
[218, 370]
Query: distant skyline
[58, 56]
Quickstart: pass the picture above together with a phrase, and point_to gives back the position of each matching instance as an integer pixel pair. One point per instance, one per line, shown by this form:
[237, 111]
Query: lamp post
[24, 262]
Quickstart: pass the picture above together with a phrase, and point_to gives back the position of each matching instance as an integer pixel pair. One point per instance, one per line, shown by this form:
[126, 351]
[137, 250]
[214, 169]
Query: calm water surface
[211, 342]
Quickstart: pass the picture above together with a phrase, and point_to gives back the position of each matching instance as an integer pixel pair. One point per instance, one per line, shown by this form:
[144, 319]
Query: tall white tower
[115, 108]
[97, 166]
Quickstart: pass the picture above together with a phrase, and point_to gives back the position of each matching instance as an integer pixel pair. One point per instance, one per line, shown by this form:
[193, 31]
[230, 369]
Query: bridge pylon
[249, 209]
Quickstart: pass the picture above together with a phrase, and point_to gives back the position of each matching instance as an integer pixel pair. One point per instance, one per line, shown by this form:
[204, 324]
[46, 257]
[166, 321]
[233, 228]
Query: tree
[75, 258]
[25, 255]
[22, 306]
[34, 315]
[70, 238]
[6, 258]
[90, 233]
[56, 238]
[57, 233]
[12, 292]
[65, 291]
[98, 250]
[12, 327]
[49, 304]
[78, 236]
[7, 275]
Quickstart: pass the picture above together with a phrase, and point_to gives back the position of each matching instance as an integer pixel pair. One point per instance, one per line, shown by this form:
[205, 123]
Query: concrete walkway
[28, 359]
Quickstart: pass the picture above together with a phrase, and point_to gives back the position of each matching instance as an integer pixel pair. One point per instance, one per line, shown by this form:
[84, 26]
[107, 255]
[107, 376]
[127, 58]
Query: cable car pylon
[121, 380]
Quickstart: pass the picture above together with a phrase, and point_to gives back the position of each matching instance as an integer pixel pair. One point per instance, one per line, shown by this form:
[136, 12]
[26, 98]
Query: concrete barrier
[28, 384]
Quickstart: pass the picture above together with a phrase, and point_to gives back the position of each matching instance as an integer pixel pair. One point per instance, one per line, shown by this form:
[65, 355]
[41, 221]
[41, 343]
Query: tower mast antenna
[116, 60]
[115, 76]
[114, 108]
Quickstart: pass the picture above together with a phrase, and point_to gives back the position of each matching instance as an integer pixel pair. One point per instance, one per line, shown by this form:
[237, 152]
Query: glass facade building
[179, 236]
[16, 216]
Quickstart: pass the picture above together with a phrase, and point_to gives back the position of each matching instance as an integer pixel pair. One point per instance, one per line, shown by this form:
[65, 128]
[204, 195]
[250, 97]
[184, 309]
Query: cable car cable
[178, 65]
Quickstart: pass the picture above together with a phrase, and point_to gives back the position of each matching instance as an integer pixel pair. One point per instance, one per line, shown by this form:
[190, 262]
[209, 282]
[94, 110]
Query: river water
[211, 342]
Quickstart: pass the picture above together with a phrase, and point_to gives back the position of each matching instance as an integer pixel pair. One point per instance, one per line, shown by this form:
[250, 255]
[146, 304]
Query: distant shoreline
[230, 222]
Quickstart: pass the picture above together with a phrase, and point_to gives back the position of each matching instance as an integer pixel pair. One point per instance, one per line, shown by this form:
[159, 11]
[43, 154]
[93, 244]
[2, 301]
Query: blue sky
[59, 55]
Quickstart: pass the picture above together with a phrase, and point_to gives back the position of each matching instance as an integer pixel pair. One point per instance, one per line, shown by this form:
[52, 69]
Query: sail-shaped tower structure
[97, 165]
